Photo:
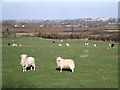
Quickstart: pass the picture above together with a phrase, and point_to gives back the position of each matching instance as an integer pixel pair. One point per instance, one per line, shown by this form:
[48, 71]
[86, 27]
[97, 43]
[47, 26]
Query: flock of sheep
[87, 44]
[61, 63]
[67, 44]
[14, 44]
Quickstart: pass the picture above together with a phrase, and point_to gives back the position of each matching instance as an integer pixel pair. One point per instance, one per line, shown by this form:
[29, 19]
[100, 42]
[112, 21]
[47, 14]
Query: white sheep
[14, 44]
[61, 40]
[20, 45]
[60, 45]
[110, 45]
[94, 45]
[67, 44]
[87, 44]
[65, 63]
[27, 62]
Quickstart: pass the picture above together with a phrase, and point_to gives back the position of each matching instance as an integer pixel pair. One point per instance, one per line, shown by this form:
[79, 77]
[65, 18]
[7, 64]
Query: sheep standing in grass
[65, 63]
[27, 62]
[20, 45]
[87, 44]
[67, 44]
[8, 44]
[14, 44]
[61, 40]
[60, 45]
[94, 45]
[110, 45]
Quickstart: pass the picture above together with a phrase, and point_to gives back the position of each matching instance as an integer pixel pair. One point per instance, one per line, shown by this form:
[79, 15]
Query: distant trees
[60, 31]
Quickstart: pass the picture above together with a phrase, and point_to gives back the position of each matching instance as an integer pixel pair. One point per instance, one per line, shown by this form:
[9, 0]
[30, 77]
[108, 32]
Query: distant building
[16, 25]
[68, 25]
[41, 25]
[23, 26]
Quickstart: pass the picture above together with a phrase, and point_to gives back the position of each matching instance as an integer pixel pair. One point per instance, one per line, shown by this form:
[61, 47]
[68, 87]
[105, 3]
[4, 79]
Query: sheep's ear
[60, 57]
[21, 55]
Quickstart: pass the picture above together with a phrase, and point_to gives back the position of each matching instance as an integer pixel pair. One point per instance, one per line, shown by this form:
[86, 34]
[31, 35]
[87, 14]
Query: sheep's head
[23, 56]
[59, 59]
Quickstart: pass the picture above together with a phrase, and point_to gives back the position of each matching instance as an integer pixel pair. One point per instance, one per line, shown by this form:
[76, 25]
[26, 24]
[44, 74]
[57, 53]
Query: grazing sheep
[65, 63]
[27, 62]
[67, 44]
[20, 45]
[87, 44]
[14, 44]
[53, 41]
[61, 40]
[8, 44]
[110, 45]
[60, 45]
[94, 45]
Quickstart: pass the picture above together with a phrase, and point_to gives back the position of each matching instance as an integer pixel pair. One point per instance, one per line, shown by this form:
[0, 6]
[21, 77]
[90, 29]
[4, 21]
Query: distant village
[105, 29]
[82, 22]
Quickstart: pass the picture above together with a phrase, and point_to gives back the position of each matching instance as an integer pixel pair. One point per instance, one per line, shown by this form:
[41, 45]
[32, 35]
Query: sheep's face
[58, 59]
[23, 56]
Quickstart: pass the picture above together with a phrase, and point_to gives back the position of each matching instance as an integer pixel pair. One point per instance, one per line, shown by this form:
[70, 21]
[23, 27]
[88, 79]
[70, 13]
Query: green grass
[20, 34]
[98, 70]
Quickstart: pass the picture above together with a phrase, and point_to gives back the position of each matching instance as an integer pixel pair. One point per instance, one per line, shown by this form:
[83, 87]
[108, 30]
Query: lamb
[27, 62]
[61, 40]
[65, 63]
[60, 45]
[53, 41]
[67, 44]
[87, 44]
[94, 45]
[14, 44]
[8, 44]
[20, 45]
[110, 45]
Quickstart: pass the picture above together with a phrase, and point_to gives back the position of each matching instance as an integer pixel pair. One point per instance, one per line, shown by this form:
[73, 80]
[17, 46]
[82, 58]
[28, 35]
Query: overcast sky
[60, 0]
[58, 9]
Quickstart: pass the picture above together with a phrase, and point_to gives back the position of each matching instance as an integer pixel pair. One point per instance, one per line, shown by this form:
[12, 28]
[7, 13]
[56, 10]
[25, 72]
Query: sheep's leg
[31, 68]
[61, 69]
[34, 67]
[23, 69]
[72, 70]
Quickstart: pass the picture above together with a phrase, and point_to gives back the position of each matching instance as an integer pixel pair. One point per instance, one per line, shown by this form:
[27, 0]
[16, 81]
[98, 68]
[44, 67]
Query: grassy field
[96, 67]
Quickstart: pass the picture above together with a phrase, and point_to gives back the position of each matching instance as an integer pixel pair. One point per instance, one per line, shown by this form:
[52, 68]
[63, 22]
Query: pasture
[96, 67]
